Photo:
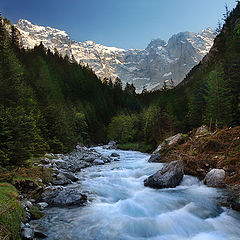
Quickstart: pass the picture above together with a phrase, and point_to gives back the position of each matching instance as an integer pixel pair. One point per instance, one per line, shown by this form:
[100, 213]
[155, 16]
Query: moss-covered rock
[36, 213]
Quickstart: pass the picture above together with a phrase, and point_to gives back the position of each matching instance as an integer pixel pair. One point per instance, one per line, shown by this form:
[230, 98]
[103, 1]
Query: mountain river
[121, 208]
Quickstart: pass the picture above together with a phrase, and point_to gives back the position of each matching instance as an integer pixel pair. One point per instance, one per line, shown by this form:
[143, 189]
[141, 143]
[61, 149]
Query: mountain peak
[150, 67]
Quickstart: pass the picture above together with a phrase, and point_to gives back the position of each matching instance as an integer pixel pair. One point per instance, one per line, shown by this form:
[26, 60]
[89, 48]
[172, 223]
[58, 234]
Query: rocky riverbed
[62, 191]
[98, 193]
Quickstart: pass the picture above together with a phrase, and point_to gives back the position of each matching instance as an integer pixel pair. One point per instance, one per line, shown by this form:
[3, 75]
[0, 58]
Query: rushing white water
[123, 209]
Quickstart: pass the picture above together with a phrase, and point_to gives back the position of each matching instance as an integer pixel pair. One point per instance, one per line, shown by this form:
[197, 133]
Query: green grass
[11, 212]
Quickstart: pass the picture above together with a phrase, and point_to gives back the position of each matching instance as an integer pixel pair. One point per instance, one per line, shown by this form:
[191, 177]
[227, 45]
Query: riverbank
[201, 151]
[121, 207]
[45, 181]
[41, 183]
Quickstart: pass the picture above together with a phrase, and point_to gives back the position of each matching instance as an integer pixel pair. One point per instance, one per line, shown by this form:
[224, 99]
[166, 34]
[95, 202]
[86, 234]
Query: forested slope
[50, 103]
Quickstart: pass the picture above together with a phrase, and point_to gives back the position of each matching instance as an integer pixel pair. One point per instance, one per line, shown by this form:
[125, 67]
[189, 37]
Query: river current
[121, 208]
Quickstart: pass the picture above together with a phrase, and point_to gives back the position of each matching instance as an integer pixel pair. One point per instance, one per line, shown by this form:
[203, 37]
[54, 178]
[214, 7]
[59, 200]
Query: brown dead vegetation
[220, 149]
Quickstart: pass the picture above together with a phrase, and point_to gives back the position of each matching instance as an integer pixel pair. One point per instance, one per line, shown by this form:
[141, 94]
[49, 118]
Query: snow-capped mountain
[149, 67]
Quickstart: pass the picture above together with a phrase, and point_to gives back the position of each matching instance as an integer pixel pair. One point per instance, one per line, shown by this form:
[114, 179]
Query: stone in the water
[61, 179]
[215, 178]
[155, 157]
[27, 233]
[168, 177]
[70, 176]
[42, 205]
[39, 234]
[115, 155]
[58, 195]
[111, 145]
[98, 162]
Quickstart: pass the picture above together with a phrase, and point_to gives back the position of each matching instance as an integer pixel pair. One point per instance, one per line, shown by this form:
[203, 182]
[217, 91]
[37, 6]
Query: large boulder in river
[168, 177]
[215, 178]
[58, 195]
[111, 145]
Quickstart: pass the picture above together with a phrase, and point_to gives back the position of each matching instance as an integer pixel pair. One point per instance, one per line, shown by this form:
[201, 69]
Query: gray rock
[98, 162]
[61, 196]
[115, 155]
[155, 157]
[111, 145]
[70, 176]
[42, 205]
[168, 177]
[215, 178]
[27, 233]
[106, 159]
[39, 234]
[27, 204]
[90, 158]
[60, 164]
[116, 159]
[61, 179]
[169, 141]
[174, 139]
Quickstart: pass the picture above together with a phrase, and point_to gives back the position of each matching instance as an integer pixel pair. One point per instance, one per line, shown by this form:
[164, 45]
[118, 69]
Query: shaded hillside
[212, 88]
[50, 103]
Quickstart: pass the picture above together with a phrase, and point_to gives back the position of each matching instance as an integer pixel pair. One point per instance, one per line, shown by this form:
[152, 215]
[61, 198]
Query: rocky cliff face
[148, 68]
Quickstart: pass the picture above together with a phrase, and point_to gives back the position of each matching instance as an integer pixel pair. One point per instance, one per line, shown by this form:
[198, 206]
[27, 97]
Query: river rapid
[121, 208]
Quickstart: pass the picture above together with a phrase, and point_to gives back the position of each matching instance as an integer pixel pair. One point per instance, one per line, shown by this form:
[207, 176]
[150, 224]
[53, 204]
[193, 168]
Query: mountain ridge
[146, 68]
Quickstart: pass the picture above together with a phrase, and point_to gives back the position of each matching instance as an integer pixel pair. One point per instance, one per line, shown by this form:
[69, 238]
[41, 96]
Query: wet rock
[42, 205]
[90, 158]
[106, 159]
[58, 195]
[39, 234]
[27, 233]
[36, 213]
[115, 155]
[168, 177]
[155, 157]
[70, 176]
[98, 162]
[61, 179]
[111, 145]
[27, 204]
[116, 159]
[215, 178]
[60, 164]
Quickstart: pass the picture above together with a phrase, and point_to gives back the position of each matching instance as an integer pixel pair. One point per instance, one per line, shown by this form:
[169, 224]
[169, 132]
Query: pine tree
[117, 83]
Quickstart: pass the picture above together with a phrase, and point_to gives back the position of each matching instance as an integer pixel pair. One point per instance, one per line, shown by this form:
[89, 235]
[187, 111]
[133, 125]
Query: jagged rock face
[149, 67]
[50, 37]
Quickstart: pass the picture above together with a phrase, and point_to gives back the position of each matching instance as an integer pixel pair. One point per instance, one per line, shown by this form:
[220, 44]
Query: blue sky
[121, 23]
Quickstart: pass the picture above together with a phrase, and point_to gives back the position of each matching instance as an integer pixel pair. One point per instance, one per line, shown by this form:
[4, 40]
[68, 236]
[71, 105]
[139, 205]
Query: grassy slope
[11, 212]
